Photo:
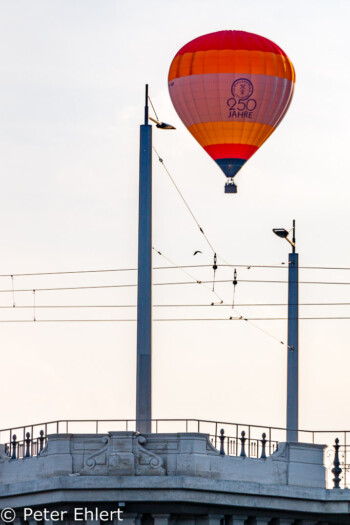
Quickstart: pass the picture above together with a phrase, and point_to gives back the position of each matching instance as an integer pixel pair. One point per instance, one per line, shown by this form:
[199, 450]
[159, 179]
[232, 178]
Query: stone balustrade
[173, 479]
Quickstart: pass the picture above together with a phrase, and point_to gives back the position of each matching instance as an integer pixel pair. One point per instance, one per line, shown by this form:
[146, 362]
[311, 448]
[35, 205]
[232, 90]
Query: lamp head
[161, 125]
[164, 125]
[280, 232]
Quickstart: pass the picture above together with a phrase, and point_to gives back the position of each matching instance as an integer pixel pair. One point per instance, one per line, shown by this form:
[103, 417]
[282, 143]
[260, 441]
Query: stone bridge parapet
[178, 454]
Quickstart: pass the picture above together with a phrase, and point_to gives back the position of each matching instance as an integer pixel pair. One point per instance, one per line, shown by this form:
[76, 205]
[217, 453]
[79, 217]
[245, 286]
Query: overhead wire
[34, 274]
[282, 266]
[185, 319]
[208, 305]
[169, 283]
[268, 281]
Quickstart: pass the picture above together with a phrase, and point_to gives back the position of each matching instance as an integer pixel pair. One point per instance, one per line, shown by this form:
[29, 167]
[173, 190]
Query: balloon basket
[230, 187]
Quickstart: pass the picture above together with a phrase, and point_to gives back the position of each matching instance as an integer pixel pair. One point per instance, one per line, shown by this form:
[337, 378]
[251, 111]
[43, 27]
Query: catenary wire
[171, 283]
[283, 266]
[208, 305]
[241, 318]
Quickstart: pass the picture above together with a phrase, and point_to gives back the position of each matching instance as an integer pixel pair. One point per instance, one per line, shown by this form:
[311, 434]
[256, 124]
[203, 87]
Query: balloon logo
[231, 89]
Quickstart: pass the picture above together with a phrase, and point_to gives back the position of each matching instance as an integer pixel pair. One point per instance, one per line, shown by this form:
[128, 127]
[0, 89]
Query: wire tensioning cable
[149, 98]
[183, 199]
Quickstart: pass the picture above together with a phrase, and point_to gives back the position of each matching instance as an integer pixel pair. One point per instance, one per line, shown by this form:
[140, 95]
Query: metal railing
[256, 441]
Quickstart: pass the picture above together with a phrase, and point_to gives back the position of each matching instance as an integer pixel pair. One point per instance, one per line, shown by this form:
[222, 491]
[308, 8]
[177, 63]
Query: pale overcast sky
[72, 82]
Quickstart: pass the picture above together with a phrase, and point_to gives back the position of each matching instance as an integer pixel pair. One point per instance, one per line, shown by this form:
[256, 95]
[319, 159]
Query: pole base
[230, 187]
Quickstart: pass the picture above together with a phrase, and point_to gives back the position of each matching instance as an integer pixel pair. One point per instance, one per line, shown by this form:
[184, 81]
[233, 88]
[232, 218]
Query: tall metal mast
[144, 291]
[293, 340]
[293, 337]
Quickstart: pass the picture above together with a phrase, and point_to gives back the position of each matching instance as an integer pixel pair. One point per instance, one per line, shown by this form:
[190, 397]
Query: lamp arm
[290, 242]
[154, 120]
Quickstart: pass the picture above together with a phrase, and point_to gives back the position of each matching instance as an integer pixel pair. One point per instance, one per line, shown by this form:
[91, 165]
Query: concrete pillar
[283, 521]
[128, 519]
[238, 520]
[210, 519]
[161, 519]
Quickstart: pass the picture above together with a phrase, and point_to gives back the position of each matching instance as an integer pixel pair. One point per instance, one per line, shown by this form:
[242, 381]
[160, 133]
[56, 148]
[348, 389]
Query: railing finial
[27, 441]
[14, 447]
[222, 440]
[263, 443]
[41, 441]
[243, 440]
[336, 470]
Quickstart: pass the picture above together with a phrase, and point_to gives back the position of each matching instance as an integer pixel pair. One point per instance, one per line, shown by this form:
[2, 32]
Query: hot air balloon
[231, 89]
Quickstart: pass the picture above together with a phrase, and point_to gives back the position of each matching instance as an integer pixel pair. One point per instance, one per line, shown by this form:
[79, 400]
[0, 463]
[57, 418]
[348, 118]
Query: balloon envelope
[231, 89]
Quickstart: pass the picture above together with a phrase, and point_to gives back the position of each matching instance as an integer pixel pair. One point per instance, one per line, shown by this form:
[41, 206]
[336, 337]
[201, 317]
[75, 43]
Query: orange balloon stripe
[251, 133]
[227, 60]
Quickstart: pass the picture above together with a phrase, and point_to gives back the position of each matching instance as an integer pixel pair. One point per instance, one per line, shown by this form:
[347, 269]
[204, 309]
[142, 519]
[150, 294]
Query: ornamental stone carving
[147, 463]
[97, 458]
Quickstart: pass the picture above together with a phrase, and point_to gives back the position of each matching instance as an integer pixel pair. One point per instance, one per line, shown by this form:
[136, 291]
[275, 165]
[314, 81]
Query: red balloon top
[231, 40]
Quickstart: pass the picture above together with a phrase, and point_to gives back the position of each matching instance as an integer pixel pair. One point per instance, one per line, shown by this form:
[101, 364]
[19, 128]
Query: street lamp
[281, 232]
[293, 337]
[161, 125]
[144, 287]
